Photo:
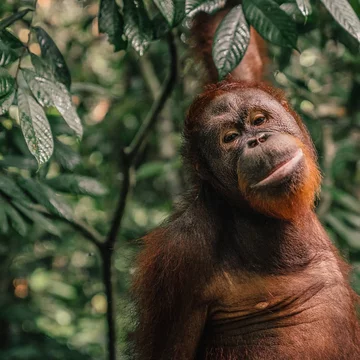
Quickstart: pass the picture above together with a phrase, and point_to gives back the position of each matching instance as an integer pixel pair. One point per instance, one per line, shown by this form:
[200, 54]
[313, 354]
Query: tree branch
[132, 150]
[129, 157]
[26, 47]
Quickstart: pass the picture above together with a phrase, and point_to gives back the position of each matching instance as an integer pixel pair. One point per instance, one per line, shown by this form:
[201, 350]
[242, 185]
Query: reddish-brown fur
[252, 66]
[236, 275]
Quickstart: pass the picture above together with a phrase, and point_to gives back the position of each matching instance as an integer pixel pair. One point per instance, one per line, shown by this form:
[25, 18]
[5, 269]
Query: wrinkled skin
[267, 140]
[245, 155]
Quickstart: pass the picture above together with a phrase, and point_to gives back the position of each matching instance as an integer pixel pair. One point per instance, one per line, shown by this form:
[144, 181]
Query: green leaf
[52, 93]
[38, 219]
[19, 162]
[66, 156]
[172, 10]
[17, 222]
[192, 7]
[230, 41]
[350, 236]
[6, 101]
[53, 56]
[346, 200]
[41, 67]
[35, 127]
[10, 188]
[12, 18]
[111, 23]
[304, 6]
[7, 54]
[7, 82]
[137, 25]
[272, 23]
[160, 26]
[76, 184]
[344, 14]
[347, 217]
[47, 198]
[150, 170]
[10, 40]
[4, 225]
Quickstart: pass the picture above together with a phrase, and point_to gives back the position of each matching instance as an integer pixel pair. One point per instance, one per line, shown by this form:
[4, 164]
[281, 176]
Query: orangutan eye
[229, 137]
[260, 119]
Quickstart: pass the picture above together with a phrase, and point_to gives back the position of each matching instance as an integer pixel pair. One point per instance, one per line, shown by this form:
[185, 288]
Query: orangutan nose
[255, 141]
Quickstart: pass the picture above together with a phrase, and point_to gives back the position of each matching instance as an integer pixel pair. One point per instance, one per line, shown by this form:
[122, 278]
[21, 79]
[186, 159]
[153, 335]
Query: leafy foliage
[77, 185]
[52, 292]
[231, 41]
[345, 16]
[271, 22]
[52, 54]
[7, 84]
[12, 18]
[35, 127]
[192, 7]
[112, 23]
[304, 7]
[53, 93]
[172, 10]
[137, 28]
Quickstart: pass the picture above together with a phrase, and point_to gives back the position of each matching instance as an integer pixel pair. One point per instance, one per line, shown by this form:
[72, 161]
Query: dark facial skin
[248, 135]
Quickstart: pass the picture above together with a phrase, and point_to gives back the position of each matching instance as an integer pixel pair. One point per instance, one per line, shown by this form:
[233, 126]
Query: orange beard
[295, 201]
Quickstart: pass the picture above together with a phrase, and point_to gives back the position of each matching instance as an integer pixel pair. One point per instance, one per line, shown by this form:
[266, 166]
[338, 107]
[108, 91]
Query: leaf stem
[26, 46]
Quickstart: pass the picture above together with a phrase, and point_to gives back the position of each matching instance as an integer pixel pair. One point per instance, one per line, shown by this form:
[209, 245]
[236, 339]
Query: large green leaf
[12, 18]
[137, 25]
[111, 23]
[150, 170]
[7, 54]
[231, 41]
[304, 6]
[4, 225]
[271, 22]
[53, 93]
[192, 7]
[7, 82]
[346, 200]
[344, 14]
[41, 67]
[10, 40]
[35, 127]
[160, 26]
[6, 101]
[348, 217]
[38, 219]
[351, 236]
[10, 47]
[66, 156]
[76, 184]
[51, 53]
[47, 198]
[9, 187]
[172, 10]
[17, 222]
[20, 162]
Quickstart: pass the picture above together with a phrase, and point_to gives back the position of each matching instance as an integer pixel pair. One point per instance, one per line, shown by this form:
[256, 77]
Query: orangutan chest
[249, 303]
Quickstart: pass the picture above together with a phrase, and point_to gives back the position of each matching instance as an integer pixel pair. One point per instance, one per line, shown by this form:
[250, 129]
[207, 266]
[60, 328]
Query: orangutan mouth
[281, 171]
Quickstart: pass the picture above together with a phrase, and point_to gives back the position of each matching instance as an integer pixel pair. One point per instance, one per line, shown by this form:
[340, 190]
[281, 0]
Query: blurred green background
[52, 301]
